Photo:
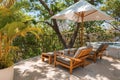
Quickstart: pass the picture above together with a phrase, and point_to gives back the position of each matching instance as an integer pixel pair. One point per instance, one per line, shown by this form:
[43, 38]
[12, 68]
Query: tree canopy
[42, 10]
[112, 7]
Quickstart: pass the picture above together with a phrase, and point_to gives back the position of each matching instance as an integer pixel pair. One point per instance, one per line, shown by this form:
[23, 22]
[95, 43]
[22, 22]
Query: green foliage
[6, 61]
[98, 34]
[1, 1]
[49, 41]
[17, 17]
[8, 34]
[6, 3]
[12, 25]
[95, 2]
[12, 28]
[112, 7]
[29, 46]
[5, 17]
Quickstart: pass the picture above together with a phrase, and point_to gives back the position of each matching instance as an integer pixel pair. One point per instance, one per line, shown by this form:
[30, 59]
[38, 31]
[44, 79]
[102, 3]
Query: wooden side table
[49, 56]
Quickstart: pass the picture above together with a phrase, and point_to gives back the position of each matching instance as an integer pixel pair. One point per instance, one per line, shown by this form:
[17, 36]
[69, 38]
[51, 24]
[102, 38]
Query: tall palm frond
[14, 29]
[6, 3]
[11, 31]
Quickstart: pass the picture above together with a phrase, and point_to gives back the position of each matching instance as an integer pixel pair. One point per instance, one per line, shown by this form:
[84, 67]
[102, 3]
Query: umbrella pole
[82, 29]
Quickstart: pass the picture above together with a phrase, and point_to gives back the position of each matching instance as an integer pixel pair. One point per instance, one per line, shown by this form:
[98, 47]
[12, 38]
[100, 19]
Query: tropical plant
[7, 36]
[12, 24]
[6, 3]
[16, 13]
[29, 46]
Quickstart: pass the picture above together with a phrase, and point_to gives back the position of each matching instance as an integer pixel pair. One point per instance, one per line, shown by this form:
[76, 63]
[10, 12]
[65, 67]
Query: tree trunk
[73, 38]
[76, 1]
[92, 2]
[56, 28]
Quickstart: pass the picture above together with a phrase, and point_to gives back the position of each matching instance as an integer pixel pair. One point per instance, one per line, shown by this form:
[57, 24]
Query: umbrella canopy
[80, 12]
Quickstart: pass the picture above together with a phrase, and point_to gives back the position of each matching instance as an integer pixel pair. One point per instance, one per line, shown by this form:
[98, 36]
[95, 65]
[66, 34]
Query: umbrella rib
[91, 13]
[78, 13]
[85, 15]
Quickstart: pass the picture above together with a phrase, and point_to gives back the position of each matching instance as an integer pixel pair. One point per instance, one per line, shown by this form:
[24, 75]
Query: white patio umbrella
[80, 12]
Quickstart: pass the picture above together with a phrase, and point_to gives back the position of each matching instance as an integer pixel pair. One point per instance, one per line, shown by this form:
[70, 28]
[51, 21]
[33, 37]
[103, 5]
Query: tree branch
[73, 38]
[49, 24]
[46, 7]
[115, 27]
[76, 1]
[56, 28]
[92, 2]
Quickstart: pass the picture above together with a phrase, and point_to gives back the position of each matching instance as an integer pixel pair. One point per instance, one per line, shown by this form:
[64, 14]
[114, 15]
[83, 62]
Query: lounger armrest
[79, 60]
[65, 56]
[84, 57]
[75, 59]
[57, 53]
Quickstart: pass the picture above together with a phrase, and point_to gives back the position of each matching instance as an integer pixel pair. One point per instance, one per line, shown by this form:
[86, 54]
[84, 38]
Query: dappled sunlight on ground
[97, 77]
[35, 69]
[114, 62]
[117, 66]
[38, 70]
[109, 59]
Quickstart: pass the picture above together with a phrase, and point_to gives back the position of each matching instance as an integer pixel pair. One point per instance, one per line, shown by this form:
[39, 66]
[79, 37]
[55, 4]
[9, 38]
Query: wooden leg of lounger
[83, 63]
[49, 60]
[70, 70]
[94, 60]
[100, 56]
[55, 59]
[55, 63]
[71, 65]
[42, 58]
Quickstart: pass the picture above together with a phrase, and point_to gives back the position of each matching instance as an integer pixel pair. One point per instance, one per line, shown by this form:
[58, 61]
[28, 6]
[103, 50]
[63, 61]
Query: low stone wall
[113, 52]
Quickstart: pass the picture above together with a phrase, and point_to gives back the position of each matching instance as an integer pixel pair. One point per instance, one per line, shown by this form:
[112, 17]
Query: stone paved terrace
[35, 69]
